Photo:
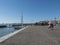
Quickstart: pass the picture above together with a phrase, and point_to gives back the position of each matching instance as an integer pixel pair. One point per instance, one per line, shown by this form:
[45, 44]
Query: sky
[32, 10]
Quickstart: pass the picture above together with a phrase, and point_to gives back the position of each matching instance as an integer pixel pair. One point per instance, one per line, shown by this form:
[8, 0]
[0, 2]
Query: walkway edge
[10, 35]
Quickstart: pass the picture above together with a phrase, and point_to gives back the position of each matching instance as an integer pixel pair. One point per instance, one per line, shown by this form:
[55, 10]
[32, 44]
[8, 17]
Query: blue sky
[33, 10]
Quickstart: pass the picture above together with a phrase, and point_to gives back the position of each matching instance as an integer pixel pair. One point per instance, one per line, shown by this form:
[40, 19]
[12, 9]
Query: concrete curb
[11, 34]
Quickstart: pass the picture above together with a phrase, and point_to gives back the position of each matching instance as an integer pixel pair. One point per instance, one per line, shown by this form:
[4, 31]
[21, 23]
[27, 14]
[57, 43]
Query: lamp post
[55, 21]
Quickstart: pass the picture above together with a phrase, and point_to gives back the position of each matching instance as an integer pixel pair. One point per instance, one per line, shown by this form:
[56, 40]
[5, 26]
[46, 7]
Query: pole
[22, 19]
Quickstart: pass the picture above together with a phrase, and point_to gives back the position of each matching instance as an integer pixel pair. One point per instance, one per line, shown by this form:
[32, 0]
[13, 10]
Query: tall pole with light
[55, 21]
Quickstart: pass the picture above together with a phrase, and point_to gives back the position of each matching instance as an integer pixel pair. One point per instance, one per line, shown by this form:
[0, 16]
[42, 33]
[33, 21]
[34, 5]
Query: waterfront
[5, 31]
[9, 29]
[35, 35]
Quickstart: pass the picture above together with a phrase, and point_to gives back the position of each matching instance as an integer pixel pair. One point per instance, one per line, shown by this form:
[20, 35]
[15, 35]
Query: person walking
[50, 26]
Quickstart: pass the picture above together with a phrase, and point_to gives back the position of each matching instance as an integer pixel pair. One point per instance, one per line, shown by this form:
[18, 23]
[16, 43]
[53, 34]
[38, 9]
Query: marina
[9, 29]
[35, 35]
[29, 22]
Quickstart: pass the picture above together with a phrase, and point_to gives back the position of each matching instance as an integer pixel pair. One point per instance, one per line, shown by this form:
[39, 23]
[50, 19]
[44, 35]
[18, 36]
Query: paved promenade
[35, 35]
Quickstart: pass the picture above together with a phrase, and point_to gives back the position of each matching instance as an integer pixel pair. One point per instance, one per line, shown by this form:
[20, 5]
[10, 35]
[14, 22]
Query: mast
[22, 19]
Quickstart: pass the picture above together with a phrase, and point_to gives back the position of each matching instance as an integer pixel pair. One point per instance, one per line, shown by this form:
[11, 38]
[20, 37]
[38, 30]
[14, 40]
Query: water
[5, 31]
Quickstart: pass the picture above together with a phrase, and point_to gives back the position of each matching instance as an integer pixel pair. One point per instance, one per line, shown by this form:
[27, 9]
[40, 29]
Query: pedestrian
[50, 26]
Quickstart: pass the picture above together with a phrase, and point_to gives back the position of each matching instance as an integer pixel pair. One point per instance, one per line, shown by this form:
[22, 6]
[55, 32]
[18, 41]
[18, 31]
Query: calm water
[5, 31]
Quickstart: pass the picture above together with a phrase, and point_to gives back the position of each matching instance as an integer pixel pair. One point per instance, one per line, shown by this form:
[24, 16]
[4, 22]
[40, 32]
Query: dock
[35, 35]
